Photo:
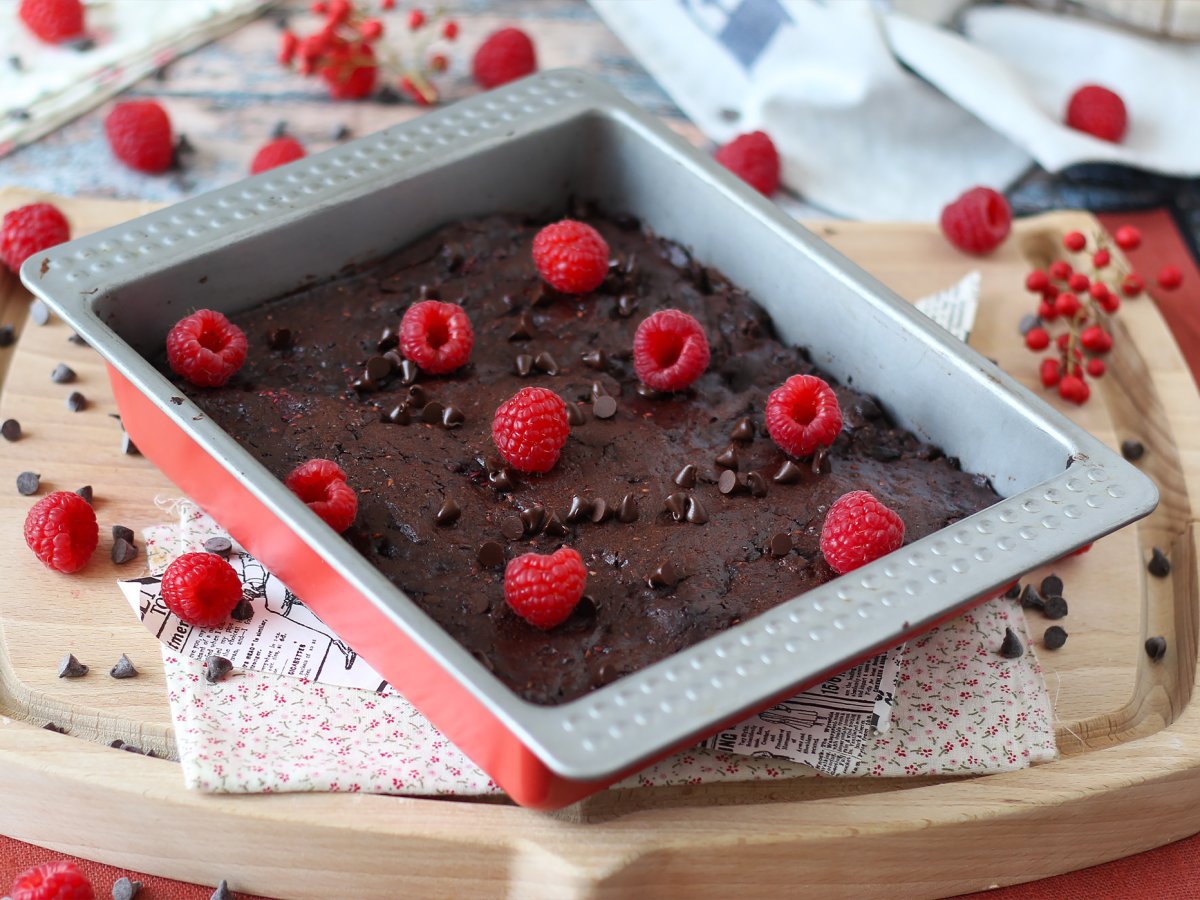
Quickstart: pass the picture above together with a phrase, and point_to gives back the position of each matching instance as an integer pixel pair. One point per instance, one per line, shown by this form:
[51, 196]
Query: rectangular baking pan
[529, 147]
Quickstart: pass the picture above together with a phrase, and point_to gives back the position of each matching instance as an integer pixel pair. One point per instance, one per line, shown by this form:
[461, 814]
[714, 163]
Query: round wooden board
[1130, 739]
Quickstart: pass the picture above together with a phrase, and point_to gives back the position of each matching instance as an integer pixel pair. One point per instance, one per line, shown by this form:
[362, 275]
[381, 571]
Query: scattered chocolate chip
[580, 508]
[128, 447]
[676, 505]
[389, 339]
[57, 729]
[362, 384]
[882, 453]
[280, 129]
[575, 415]
[512, 528]
[729, 483]
[600, 511]
[123, 669]
[821, 464]
[544, 362]
[533, 518]
[7, 335]
[1028, 322]
[219, 546]
[1159, 566]
[490, 555]
[86, 492]
[14, 63]
[378, 368]
[868, 409]
[398, 415]
[666, 575]
[1031, 598]
[342, 132]
[175, 401]
[743, 430]
[780, 544]
[452, 417]
[28, 483]
[123, 551]
[70, 667]
[627, 305]
[417, 397]
[432, 413]
[408, 371]
[279, 338]
[757, 482]
[39, 312]
[1054, 637]
[78, 339]
[62, 374]
[1132, 450]
[696, 513]
[788, 473]
[524, 329]
[644, 390]
[605, 407]
[120, 532]
[1014, 591]
[11, 430]
[628, 510]
[243, 611]
[222, 892]
[216, 668]
[76, 402]
[1011, 647]
[728, 459]
[1052, 584]
[598, 390]
[124, 889]
[1054, 607]
[686, 477]
[502, 480]
[555, 527]
[448, 514]
[595, 359]
[523, 364]
[1156, 648]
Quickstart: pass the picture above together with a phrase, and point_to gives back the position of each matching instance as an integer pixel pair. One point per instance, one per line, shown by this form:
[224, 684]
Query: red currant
[1111, 302]
[1133, 285]
[1128, 237]
[1049, 372]
[1074, 389]
[1046, 311]
[1170, 277]
[1096, 367]
[1067, 304]
[1101, 258]
[1096, 339]
[1078, 282]
[1036, 281]
[1074, 241]
[1037, 338]
[1060, 270]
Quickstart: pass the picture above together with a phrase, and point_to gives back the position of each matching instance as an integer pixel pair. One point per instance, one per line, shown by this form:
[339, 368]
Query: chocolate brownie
[687, 516]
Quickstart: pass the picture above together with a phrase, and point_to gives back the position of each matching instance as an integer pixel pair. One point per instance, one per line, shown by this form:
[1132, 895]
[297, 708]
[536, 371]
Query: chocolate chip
[432, 413]
[882, 453]
[868, 409]
[243, 611]
[1054, 637]
[1054, 607]
[341, 132]
[11, 430]
[123, 669]
[665, 575]
[523, 364]
[123, 551]
[729, 483]
[512, 528]
[676, 505]
[75, 339]
[728, 459]
[430, 292]
[696, 513]
[1052, 584]
[595, 359]
[575, 415]
[279, 338]
[743, 430]
[398, 415]
[362, 384]
[453, 256]
[1028, 322]
[555, 527]
[408, 371]
[605, 407]
[628, 510]
[7, 335]
[686, 477]
[788, 473]
[379, 368]
[452, 417]
[757, 482]
[1014, 591]
[389, 339]
[70, 667]
[821, 464]
[128, 447]
[86, 492]
[76, 402]
[28, 483]
[490, 555]
[524, 329]
[39, 312]
[598, 390]
[216, 668]
[124, 889]
[644, 390]
[600, 511]
[1011, 647]
[120, 532]
[222, 892]
[417, 397]
[533, 518]
[780, 544]
[1156, 648]
[627, 305]
[580, 508]
[57, 729]
[219, 546]
[502, 479]
[1159, 566]
[62, 374]
[1132, 450]
[544, 362]
[1031, 598]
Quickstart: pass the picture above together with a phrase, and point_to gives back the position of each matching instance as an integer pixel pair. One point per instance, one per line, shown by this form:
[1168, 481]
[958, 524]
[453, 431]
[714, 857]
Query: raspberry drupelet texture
[753, 158]
[201, 588]
[52, 21]
[31, 229]
[321, 484]
[58, 880]
[206, 348]
[544, 589]
[437, 336]
[139, 132]
[670, 350]
[275, 153]
[1099, 112]
[571, 256]
[859, 529]
[530, 429]
[803, 415]
[505, 56]
[61, 531]
[978, 221]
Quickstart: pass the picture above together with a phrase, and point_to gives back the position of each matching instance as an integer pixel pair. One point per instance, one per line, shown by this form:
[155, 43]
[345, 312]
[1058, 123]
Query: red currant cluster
[347, 53]
[1083, 301]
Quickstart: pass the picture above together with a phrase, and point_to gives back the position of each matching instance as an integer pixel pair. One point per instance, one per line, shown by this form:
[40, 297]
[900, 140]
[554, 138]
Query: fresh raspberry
[206, 348]
[321, 484]
[61, 531]
[858, 529]
[1101, 258]
[505, 56]
[543, 589]
[530, 429]
[670, 350]
[803, 414]
[349, 70]
[1170, 277]
[1037, 281]
[1074, 389]
[1099, 112]
[201, 588]
[978, 221]
[571, 256]
[1133, 285]
[1037, 339]
[1074, 241]
[139, 132]
[437, 336]
[31, 229]
[1060, 270]
[1096, 339]
[1078, 282]
[1067, 304]
[1096, 368]
[753, 158]
[53, 21]
[1128, 237]
[59, 880]
[1050, 372]
[278, 152]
